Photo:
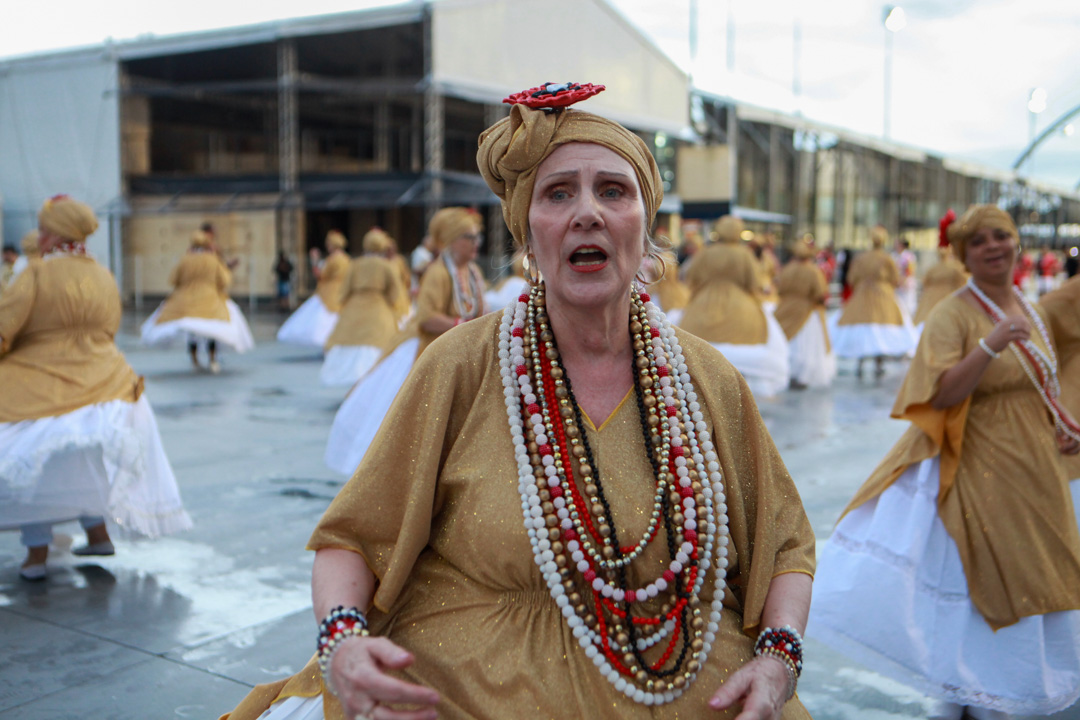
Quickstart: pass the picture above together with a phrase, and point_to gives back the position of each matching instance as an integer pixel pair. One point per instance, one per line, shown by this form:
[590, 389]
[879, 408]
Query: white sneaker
[33, 573]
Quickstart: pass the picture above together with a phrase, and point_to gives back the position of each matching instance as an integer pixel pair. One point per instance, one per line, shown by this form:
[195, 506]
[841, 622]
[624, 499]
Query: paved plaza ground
[182, 627]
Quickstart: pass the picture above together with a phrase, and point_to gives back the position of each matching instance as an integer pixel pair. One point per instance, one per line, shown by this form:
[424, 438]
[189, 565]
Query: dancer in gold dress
[801, 313]
[312, 322]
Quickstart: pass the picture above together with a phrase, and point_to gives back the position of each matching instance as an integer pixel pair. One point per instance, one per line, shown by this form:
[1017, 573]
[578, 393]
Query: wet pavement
[182, 627]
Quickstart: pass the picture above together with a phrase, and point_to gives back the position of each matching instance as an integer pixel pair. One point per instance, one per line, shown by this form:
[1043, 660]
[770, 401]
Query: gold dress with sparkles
[368, 297]
[1062, 308]
[874, 278]
[803, 289]
[201, 283]
[457, 584]
[939, 282]
[725, 303]
[331, 279]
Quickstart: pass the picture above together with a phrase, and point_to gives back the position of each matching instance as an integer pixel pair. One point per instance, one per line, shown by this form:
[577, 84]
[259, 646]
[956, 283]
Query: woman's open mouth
[588, 259]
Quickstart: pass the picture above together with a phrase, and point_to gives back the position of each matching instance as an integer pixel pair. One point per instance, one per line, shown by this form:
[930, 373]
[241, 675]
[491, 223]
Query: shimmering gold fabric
[803, 288]
[940, 281]
[58, 321]
[1062, 308]
[874, 278]
[768, 268]
[512, 149]
[404, 303]
[671, 293]
[724, 303]
[1004, 497]
[7, 274]
[199, 283]
[331, 279]
[368, 295]
[434, 509]
[68, 218]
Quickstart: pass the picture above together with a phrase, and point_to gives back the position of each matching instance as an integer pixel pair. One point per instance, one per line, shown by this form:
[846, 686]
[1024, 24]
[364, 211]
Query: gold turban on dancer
[729, 229]
[512, 149]
[335, 240]
[201, 239]
[375, 241]
[451, 223]
[975, 218]
[67, 218]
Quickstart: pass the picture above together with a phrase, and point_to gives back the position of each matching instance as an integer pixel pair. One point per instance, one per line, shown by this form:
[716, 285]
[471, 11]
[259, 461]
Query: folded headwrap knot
[67, 218]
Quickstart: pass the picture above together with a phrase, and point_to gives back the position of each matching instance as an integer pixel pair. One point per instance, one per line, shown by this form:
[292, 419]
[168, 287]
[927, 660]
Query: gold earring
[532, 272]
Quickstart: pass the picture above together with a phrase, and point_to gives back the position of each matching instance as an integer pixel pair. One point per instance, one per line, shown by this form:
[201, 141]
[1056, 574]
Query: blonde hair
[974, 219]
[335, 240]
[451, 223]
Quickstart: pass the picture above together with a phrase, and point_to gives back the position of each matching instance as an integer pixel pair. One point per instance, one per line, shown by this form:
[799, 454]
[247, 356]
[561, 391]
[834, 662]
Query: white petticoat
[765, 366]
[510, 291]
[103, 459]
[360, 415]
[890, 592]
[235, 332]
[310, 325]
[810, 364]
[873, 339]
[346, 364]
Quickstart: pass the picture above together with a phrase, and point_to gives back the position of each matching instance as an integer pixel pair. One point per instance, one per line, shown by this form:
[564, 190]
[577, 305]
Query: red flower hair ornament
[943, 228]
[554, 96]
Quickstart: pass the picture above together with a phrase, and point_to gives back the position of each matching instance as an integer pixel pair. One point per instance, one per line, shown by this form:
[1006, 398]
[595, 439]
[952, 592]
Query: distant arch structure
[1044, 135]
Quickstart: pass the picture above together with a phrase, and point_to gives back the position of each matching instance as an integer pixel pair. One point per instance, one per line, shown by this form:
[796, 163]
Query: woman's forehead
[575, 156]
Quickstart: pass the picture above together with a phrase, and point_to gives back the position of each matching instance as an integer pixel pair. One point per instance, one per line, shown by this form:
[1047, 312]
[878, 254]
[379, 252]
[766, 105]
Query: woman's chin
[589, 291]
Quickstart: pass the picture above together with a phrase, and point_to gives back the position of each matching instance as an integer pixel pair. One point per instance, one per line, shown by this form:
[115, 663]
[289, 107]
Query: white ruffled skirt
[873, 339]
[234, 332]
[346, 364]
[810, 364]
[766, 366]
[103, 459]
[362, 412]
[296, 708]
[890, 592]
[310, 325]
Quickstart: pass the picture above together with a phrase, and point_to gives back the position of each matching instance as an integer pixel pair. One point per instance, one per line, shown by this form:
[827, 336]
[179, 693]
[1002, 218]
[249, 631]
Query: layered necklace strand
[67, 247]
[569, 522]
[1041, 368]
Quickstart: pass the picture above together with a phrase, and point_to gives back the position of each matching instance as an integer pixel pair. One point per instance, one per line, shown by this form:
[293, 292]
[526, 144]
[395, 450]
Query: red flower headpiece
[553, 96]
[943, 228]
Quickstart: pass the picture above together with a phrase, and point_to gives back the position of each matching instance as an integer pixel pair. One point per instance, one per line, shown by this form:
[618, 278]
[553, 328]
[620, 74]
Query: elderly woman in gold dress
[370, 300]
[199, 307]
[956, 569]
[315, 319]
[873, 323]
[725, 309]
[802, 288]
[451, 292]
[78, 439]
[631, 579]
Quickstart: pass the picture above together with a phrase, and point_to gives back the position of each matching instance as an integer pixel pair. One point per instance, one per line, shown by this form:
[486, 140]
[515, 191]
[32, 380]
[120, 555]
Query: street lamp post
[895, 20]
[1036, 104]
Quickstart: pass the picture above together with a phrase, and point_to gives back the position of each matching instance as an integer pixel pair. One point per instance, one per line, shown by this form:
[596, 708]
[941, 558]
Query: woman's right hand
[358, 674]
[1012, 329]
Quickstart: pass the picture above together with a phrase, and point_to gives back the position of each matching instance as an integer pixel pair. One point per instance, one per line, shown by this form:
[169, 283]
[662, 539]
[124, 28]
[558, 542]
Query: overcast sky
[962, 69]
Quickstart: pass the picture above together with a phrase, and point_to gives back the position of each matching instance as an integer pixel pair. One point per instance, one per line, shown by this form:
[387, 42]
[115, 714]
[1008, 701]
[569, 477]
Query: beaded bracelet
[784, 643]
[989, 351]
[341, 623]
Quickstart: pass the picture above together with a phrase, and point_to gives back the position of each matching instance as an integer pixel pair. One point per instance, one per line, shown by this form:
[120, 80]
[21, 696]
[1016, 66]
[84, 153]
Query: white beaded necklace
[523, 387]
[1046, 361]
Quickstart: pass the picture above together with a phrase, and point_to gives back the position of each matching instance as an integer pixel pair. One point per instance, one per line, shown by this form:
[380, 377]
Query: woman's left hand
[762, 687]
[1067, 445]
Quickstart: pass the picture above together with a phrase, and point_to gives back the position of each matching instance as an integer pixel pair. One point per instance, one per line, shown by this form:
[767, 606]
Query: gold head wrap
[201, 240]
[68, 218]
[729, 229]
[512, 149]
[376, 241]
[451, 223]
[335, 240]
[976, 218]
[879, 236]
[802, 250]
[30, 244]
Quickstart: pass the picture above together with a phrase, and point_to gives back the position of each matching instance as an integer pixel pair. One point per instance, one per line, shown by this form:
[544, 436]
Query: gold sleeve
[15, 305]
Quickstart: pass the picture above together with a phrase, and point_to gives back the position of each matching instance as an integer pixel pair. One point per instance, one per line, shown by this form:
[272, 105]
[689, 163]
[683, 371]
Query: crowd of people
[653, 558]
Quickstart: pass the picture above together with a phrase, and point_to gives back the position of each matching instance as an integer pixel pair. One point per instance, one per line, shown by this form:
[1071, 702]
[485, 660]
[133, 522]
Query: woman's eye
[612, 192]
[558, 194]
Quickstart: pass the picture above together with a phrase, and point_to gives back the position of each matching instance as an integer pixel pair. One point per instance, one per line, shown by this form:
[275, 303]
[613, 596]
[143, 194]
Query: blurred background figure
[943, 279]
[78, 435]
[906, 292]
[451, 292]
[726, 310]
[199, 307]
[802, 288]
[30, 251]
[873, 324]
[370, 298]
[315, 319]
[509, 288]
[1049, 266]
[283, 271]
[668, 292]
[7, 266]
